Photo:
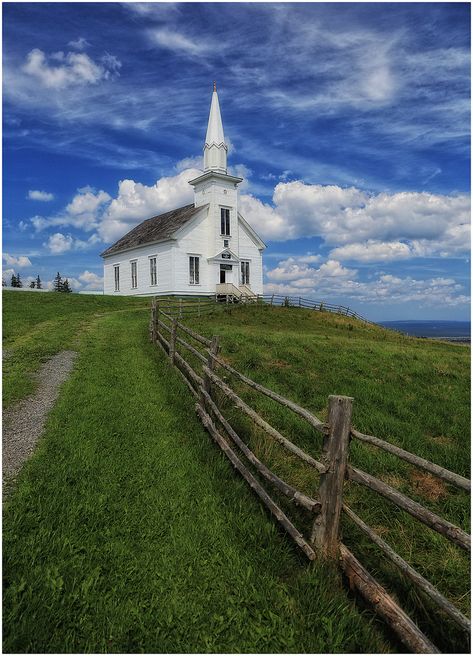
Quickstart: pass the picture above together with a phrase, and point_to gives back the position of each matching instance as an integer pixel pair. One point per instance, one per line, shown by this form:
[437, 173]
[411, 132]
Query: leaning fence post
[172, 341]
[213, 351]
[326, 528]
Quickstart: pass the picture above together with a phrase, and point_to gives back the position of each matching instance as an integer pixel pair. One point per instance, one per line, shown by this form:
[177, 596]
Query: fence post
[172, 340]
[326, 528]
[180, 308]
[272, 299]
[157, 320]
[198, 307]
[153, 321]
[214, 349]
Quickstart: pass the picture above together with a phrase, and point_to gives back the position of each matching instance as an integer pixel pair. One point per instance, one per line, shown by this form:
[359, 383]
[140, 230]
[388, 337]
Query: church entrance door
[223, 272]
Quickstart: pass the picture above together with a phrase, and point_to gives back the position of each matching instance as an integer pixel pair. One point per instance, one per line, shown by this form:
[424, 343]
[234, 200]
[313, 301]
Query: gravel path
[24, 423]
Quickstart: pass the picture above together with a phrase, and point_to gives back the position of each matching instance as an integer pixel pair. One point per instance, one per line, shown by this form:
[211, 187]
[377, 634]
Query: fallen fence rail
[331, 469]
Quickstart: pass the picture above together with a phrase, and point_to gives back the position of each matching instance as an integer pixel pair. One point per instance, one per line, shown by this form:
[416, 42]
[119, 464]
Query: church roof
[155, 229]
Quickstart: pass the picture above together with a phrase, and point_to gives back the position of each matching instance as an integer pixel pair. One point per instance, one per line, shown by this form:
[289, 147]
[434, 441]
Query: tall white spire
[215, 148]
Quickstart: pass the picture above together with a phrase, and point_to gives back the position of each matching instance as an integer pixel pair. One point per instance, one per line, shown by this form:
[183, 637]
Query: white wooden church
[205, 248]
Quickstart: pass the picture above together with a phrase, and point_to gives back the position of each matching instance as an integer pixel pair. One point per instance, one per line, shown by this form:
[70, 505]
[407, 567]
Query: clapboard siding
[193, 240]
[249, 251]
[141, 255]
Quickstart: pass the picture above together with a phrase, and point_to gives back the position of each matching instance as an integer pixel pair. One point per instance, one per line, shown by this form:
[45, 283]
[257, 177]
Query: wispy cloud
[80, 43]
[180, 43]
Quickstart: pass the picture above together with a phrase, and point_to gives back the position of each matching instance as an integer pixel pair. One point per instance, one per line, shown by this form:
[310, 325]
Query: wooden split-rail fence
[197, 306]
[333, 467]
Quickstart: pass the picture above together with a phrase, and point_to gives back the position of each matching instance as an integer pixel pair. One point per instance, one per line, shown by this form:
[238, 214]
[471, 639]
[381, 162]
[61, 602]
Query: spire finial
[215, 86]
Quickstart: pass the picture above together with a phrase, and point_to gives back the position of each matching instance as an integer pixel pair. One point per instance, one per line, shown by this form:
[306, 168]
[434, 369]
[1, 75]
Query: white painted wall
[142, 255]
[219, 193]
[193, 239]
[249, 251]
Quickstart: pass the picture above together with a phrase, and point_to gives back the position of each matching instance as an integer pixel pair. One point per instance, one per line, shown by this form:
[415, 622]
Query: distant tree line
[59, 285]
[16, 281]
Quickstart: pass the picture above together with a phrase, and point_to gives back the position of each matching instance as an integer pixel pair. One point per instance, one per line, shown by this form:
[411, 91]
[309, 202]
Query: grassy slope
[35, 326]
[412, 392]
[128, 531]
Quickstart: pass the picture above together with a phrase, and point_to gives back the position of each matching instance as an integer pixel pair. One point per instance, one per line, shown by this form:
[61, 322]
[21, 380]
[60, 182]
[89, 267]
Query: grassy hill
[412, 392]
[128, 531]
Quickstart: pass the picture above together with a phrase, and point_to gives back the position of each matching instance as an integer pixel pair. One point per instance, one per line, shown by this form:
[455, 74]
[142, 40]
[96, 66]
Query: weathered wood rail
[332, 469]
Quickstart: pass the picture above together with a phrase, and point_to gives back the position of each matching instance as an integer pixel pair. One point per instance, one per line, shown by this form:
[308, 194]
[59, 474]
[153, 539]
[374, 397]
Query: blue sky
[349, 122]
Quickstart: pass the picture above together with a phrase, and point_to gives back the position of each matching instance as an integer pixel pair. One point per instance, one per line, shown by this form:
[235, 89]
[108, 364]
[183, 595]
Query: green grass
[128, 531]
[412, 392]
[36, 326]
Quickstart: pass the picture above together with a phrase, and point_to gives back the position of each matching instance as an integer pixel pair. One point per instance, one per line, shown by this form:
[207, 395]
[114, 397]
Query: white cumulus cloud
[84, 211]
[364, 226]
[374, 251]
[16, 261]
[136, 202]
[60, 70]
[59, 243]
[332, 280]
[358, 225]
[91, 281]
[36, 194]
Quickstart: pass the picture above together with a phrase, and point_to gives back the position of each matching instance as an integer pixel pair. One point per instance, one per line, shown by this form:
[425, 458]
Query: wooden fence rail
[440, 472]
[332, 469]
[189, 306]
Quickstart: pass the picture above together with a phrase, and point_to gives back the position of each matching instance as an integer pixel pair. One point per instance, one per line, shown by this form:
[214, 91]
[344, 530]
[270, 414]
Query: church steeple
[215, 148]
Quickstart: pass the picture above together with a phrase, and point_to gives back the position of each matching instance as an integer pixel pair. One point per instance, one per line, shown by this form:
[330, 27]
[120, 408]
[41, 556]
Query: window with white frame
[224, 221]
[153, 271]
[134, 275]
[116, 273]
[193, 270]
[245, 273]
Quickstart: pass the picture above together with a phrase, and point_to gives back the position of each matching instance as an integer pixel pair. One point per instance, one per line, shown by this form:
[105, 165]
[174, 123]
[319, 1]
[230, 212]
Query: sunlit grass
[129, 531]
[411, 392]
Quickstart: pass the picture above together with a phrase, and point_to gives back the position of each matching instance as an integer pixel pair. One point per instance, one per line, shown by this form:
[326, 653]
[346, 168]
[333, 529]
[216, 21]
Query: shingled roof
[155, 229]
